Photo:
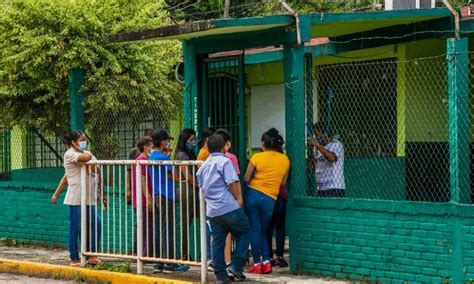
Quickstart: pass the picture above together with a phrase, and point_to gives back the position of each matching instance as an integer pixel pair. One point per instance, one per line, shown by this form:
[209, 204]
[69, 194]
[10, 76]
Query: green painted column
[294, 70]
[76, 109]
[190, 95]
[458, 120]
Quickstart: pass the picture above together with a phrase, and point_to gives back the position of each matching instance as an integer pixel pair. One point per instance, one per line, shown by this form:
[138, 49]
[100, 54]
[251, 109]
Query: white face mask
[82, 145]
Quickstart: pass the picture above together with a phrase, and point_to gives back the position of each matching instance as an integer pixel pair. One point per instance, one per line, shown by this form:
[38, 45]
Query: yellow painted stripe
[44, 270]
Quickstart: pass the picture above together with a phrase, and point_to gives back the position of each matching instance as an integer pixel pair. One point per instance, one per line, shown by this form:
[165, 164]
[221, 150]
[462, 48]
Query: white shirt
[73, 174]
[330, 175]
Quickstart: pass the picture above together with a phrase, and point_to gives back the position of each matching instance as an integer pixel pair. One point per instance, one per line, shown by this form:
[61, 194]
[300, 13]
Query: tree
[42, 40]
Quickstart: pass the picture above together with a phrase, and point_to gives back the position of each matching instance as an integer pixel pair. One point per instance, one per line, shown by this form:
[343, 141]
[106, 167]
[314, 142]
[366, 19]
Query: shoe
[281, 262]
[210, 266]
[267, 267]
[256, 269]
[94, 261]
[272, 261]
[176, 267]
[76, 263]
[237, 275]
[158, 268]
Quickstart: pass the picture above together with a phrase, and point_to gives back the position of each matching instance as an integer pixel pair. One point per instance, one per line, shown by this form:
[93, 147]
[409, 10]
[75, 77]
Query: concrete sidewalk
[60, 258]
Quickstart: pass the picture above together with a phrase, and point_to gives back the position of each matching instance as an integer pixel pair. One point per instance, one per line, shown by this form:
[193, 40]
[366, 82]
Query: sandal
[94, 261]
[76, 263]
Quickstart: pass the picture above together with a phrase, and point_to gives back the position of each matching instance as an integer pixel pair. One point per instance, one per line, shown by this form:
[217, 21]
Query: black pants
[278, 223]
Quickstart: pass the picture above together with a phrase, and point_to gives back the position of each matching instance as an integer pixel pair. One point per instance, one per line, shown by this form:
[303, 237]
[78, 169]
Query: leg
[157, 227]
[219, 233]
[266, 212]
[239, 227]
[228, 248]
[74, 231]
[280, 210]
[171, 229]
[270, 229]
[96, 224]
[252, 210]
[186, 214]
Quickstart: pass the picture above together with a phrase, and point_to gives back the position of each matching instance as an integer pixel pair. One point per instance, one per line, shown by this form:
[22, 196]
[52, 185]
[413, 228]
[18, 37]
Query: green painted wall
[384, 241]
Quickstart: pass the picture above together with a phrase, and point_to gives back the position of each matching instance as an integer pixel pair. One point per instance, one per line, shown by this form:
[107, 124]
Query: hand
[54, 199]
[128, 197]
[311, 141]
[149, 204]
[240, 202]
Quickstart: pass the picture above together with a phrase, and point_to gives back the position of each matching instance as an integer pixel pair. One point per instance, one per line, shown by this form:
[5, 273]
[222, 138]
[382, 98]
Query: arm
[236, 191]
[328, 155]
[84, 157]
[146, 193]
[127, 186]
[249, 172]
[62, 185]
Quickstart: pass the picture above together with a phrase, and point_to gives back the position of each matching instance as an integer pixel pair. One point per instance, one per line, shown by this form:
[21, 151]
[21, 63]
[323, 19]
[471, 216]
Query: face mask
[82, 145]
[191, 145]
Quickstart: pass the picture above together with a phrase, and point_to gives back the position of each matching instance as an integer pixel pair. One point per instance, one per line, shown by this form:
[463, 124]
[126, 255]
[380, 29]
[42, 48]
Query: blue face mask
[191, 145]
[82, 145]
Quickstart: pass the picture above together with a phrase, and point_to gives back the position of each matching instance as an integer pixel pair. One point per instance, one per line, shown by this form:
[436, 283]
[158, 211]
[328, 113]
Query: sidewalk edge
[44, 270]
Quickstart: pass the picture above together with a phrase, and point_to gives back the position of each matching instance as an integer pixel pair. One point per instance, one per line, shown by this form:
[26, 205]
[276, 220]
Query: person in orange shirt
[202, 144]
[266, 173]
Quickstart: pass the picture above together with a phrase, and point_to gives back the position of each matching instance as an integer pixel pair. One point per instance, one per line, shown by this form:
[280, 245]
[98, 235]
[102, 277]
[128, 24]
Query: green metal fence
[391, 117]
[5, 158]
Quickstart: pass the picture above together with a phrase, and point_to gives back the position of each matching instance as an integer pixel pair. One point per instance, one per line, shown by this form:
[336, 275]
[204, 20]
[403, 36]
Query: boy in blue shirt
[165, 197]
[221, 188]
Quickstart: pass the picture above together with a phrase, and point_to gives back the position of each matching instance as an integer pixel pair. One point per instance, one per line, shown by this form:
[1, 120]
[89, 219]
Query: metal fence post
[458, 120]
[83, 214]
[138, 194]
[202, 210]
[75, 81]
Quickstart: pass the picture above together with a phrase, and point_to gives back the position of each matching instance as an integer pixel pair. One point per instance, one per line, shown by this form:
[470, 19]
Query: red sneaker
[256, 269]
[267, 267]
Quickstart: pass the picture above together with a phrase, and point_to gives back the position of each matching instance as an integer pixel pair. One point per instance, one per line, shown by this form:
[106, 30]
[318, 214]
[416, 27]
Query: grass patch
[114, 267]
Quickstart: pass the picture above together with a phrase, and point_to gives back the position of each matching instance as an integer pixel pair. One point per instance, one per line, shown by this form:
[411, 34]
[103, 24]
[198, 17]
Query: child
[162, 183]
[221, 189]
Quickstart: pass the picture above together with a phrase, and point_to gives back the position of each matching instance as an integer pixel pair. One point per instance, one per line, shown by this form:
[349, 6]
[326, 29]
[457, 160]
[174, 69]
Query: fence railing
[148, 211]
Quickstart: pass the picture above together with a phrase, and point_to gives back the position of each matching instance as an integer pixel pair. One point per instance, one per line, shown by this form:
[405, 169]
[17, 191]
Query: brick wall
[383, 241]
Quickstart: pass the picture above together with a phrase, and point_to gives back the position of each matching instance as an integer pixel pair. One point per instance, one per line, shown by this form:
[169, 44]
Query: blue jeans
[259, 208]
[278, 224]
[93, 235]
[167, 237]
[237, 224]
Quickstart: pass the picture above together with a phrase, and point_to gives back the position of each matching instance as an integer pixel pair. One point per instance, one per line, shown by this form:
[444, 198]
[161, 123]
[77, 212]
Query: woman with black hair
[189, 195]
[74, 158]
[266, 173]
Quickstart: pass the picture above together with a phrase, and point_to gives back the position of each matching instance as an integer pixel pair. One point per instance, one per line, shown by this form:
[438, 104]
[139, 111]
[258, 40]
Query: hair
[142, 142]
[182, 140]
[273, 140]
[215, 143]
[72, 136]
[205, 134]
[322, 126]
[224, 133]
[158, 136]
[148, 132]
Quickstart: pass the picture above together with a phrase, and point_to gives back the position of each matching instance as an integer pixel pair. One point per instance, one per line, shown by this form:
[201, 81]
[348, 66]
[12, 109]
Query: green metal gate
[223, 101]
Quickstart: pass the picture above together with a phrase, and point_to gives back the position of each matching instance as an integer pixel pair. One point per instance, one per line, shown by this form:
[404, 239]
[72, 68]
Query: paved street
[17, 279]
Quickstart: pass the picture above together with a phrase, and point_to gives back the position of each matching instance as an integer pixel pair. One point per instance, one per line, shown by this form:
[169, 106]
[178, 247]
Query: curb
[44, 270]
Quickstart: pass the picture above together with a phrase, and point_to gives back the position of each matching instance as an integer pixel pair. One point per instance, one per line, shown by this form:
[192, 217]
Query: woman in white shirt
[74, 158]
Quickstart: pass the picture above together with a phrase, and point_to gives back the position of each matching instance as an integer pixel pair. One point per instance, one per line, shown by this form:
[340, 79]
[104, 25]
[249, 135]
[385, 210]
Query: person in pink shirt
[144, 144]
[228, 145]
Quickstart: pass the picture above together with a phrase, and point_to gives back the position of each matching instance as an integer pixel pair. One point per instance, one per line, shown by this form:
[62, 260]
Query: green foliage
[114, 267]
[42, 40]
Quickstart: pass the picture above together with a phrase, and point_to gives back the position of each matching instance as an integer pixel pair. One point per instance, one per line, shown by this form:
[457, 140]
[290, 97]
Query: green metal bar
[204, 95]
[458, 117]
[242, 119]
[190, 86]
[76, 109]
[295, 135]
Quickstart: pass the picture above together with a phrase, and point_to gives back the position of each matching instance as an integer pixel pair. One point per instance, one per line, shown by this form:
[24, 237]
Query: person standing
[189, 192]
[144, 145]
[221, 189]
[134, 153]
[266, 173]
[202, 144]
[163, 178]
[278, 223]
[329, 168]
[74, 158]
